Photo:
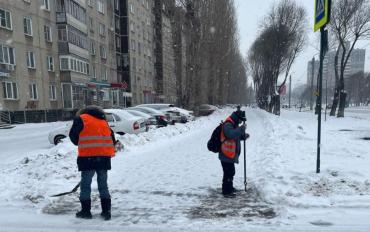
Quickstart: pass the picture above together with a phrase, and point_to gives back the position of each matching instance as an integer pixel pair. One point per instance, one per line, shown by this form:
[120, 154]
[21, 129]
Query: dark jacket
[89, 163]
[232, 131]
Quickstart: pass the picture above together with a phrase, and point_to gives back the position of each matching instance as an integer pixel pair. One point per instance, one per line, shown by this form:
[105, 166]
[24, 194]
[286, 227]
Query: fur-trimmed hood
[94, 111]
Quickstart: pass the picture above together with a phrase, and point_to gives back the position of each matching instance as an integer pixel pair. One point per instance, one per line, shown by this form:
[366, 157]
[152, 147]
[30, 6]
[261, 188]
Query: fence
[36, 116]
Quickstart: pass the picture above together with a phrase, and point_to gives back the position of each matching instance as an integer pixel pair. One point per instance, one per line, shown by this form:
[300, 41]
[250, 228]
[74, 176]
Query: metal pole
[326, 95]
[323, 40]
[24, 114]
[290, 88]
[312, 75]
[245, 167]
[10, 119]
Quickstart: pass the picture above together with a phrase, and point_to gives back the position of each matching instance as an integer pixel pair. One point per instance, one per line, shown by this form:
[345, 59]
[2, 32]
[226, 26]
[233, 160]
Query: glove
[245, 136]
[243, 127]
[118, 146]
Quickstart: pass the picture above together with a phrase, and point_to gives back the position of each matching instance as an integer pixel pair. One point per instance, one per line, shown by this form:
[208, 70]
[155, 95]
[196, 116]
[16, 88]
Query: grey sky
[251, 13]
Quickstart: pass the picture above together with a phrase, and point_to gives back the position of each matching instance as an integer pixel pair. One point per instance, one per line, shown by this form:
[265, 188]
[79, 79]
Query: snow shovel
[66, 193]
[245, 169]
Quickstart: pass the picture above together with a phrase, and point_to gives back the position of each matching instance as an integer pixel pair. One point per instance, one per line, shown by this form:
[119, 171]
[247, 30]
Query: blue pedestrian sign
[322, 13]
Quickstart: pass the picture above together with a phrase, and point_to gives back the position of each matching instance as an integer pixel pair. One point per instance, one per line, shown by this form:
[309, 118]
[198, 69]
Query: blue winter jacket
[232, 132]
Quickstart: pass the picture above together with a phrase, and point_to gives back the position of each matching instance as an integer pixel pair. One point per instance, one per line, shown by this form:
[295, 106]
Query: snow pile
[36, 177]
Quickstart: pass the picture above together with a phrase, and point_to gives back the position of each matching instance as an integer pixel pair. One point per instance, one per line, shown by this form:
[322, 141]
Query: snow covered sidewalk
[167, 180]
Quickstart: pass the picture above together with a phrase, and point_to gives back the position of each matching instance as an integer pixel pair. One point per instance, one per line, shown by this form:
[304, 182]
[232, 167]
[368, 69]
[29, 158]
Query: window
[5, 19]
[118, 43]
[45, 4]
[104, 73]
[50, 63]
[92, 48]
[132, 27]
[115, 97]
[33, 91]
[47, 34]
[90, 3]
[91, 22]
[7, 55]
[93, 73]
[116, 4]
[68, 63]
[132, 9]
[77, 11]
[31, 60]
[28, 1]
[64, 64]
[101, 29]
[103, 52]
[27, 25]
[100, 5]
[10, 90]
[52, 93]
[133, 45]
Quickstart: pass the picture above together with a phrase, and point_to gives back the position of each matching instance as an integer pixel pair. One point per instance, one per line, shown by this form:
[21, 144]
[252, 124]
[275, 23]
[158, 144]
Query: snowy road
[167, 180]
[26, 138]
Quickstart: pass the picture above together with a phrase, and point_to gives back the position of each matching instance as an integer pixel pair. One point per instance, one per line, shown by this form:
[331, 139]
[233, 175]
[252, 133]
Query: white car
[159, 115]
[158, 106]
[149, 119]
[120, 121]
[185, 114]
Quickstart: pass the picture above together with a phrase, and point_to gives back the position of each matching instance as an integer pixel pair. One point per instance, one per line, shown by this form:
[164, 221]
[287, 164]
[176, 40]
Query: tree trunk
[335, 102]
[277, 105]
[342, 103]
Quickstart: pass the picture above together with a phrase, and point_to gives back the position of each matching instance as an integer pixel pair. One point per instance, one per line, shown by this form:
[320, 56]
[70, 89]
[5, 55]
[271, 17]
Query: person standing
[95, 140]
[231, 135]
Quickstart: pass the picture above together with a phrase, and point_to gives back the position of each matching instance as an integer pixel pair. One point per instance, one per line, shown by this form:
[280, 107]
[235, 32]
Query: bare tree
[273, 53]
[350, 23]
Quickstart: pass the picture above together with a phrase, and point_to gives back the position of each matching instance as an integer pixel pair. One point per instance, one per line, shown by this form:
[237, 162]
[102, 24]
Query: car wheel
[58, 139]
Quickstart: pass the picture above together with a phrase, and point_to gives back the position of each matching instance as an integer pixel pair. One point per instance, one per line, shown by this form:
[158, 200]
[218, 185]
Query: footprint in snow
[321, 223]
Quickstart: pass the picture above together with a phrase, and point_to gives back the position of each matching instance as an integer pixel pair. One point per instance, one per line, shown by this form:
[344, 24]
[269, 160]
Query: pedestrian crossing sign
[322, 13]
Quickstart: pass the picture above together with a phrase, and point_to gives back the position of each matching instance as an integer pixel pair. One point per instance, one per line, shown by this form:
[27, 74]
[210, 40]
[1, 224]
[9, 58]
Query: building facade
[66, 54]
[29, 55]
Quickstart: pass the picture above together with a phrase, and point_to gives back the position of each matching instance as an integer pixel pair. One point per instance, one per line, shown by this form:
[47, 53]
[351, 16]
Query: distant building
[312, 72]
[356, 63]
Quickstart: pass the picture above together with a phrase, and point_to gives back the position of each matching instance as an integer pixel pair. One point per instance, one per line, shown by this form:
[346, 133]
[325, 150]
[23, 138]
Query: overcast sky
[251, 13]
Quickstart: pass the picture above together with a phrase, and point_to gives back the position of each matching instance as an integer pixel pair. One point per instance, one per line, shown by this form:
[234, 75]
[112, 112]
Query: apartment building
[28, 55]
[356, 63]
[312, 72]
[165, 73]
[66, 54]
[103, 88]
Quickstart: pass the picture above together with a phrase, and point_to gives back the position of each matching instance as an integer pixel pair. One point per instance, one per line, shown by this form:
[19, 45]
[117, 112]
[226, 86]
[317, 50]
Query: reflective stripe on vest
[95, 138]
[228, 147]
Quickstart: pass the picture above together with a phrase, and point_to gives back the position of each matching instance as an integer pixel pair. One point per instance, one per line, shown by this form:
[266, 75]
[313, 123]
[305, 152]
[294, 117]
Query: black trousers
[227, 180]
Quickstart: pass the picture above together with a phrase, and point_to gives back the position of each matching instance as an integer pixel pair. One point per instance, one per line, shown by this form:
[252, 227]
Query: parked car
[174, 117]
[186, 115]
[120, 121]
[149, 119]
[158, 106]
[205, 109]
[159, 116]
[59, 133]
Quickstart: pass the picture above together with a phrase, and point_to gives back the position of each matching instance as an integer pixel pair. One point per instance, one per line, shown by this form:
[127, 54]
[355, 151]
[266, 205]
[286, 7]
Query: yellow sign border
[325, 19]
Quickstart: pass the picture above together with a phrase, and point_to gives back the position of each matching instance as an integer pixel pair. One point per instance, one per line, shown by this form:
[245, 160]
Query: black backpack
[214, 143]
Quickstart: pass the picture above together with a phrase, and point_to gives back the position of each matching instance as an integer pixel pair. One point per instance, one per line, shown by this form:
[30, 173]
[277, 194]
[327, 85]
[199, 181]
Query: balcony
[66, 18]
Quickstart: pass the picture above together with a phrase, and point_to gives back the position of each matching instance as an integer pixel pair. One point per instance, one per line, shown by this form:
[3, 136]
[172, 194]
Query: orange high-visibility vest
[95, 139]
[228, 147]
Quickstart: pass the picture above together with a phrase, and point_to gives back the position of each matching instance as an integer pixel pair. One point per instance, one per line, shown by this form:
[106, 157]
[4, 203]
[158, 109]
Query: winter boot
[227, 189]
[106, 206]
[85, 210]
